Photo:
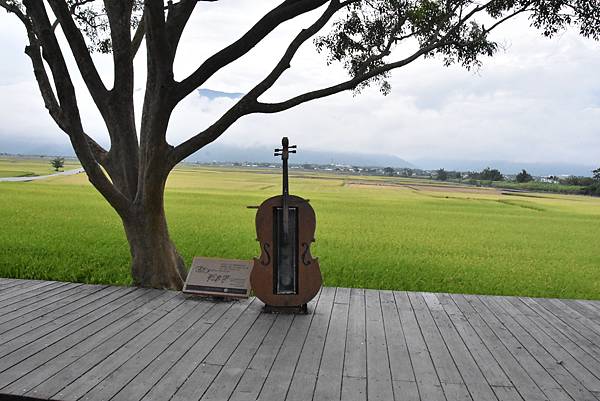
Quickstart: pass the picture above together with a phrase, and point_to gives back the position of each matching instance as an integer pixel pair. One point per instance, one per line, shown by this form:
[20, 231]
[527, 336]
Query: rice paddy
[371, 232]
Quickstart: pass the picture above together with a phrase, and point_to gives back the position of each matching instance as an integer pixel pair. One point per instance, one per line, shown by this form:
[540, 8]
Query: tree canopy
[524, 176]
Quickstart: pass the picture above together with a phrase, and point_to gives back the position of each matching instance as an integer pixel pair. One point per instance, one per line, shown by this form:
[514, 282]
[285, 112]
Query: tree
[389, 171]
[57, 162]
[131, 175]
[442, 175]
[489, 174]
[596, 174]
[524, 176]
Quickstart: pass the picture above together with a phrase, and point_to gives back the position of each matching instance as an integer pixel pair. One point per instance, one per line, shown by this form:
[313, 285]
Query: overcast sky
[538, 100]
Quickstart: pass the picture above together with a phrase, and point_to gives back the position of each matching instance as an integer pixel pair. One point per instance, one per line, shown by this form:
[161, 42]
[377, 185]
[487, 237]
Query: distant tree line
[487, 174]
[524, 176]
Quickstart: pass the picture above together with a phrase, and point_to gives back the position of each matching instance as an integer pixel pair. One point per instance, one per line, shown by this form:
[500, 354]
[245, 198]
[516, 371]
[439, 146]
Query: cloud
[537, 100]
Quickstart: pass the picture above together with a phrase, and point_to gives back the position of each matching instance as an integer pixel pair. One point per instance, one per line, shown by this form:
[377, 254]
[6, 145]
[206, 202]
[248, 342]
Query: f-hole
[285, 258]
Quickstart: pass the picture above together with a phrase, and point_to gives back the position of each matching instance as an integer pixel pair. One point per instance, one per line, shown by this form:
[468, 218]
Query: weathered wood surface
[69, 341]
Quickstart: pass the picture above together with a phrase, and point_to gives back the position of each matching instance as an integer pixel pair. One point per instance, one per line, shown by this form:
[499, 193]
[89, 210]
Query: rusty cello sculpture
[285, 276]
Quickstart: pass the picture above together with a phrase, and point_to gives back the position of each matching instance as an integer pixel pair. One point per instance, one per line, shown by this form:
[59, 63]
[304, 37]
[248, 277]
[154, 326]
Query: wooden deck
[83, 342]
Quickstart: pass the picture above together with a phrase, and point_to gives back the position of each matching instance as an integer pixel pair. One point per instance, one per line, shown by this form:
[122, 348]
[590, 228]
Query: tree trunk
[155, 261]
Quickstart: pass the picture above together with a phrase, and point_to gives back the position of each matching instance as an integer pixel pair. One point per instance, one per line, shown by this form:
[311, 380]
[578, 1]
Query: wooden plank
[586, 308]
[25, 345]
[428, 382]
[253, 378]
[80, 377]
[490, 368]
[221, 353]
[7, 282]
[13, 305]
[556, 370]
[24, 290]
[17, 283]
[34, 310]
[549, 349]
[305, 375]
[193, 310]
[378, 365]
[342, 295]
[55, 361]
[278, 380]
[469, 370]
[406, 391]
[571, 317]
[400, 364]
[523, 382]
[16, 336]
[178, 374]
[143, 382]
[98, 345]
[450, 378]
[592, 303]
[161, 382]
[228, 377]
[329, 378]
[550, 387]
[26, 298]
[576, 311]
[575, 335]
[205, 374]
[354, 380]
[64, 339]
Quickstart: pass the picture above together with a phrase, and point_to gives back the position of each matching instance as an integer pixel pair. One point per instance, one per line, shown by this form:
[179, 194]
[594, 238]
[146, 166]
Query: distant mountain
[507, 167]
[217, 152]
[60, 147]
[211, 94]
[225, 153]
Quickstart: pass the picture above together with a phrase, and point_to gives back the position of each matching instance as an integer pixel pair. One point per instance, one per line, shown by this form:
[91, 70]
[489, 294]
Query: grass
[539, 187]
[387, 237]
[12, 173]
[29, 166]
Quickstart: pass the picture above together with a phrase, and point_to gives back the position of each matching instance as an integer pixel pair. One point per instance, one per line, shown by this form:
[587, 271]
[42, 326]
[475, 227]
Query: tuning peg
[292, 151]
[292, 146]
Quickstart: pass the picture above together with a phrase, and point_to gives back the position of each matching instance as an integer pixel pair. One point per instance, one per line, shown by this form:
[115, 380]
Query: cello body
[285, 275]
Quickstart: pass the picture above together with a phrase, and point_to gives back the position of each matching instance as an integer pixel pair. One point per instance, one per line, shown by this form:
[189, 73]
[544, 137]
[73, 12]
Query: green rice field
[372, 232]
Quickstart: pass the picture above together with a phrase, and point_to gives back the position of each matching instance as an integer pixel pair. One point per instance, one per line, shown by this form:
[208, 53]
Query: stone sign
[219, 277]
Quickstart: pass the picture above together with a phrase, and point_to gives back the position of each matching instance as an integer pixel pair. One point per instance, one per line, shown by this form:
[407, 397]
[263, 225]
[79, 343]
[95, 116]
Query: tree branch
[140, 31]
[177, 18]
[70, 120]
[119, 18]
[347, 85]
[247, 103]
[12, 8]
[41, 76]
[81, 54]
[156, 40]
[284, 12]
[509, 16]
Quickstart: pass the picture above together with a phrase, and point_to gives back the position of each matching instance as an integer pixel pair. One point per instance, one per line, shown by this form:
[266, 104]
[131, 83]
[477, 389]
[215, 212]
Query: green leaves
[365, 37]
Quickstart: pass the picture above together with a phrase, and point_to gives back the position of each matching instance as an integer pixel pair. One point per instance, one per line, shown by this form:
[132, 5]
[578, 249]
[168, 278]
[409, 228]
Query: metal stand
[294, 310]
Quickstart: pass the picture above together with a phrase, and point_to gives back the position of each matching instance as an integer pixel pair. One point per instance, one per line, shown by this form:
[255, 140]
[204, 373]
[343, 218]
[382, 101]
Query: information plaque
[219, 278]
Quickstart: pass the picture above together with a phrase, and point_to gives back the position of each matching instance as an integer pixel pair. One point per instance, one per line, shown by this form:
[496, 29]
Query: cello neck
[284, 206]
[284, 152]
[285, 185]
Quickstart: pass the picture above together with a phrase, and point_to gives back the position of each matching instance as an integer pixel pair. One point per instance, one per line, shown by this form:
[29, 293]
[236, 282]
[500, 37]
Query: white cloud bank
[536, 101]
